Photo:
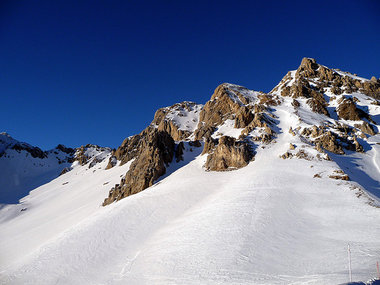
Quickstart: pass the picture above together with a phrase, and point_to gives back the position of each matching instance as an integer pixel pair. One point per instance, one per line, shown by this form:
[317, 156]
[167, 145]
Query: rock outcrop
[178, 120]
[329, 142]
[90, 152]
[339, 81]
[157, 151]
[227, 102]
[229, 154]
[347, 110]
[366, 128]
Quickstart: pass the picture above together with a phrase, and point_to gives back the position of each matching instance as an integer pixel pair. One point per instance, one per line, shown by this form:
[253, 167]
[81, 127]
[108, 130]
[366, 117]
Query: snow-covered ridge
[24, 167]
[184, 115]
[7, 142]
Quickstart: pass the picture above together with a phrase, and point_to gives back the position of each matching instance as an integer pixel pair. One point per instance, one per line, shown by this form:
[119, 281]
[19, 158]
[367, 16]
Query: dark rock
[157, 151]
[111, 162]
[195, 143]
[64, 149]
[65, 170]
[35, 152]
[295, 103]
[179, 151]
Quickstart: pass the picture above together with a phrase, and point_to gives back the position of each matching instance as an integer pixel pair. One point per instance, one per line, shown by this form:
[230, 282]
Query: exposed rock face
[34, 151]
[173, 130]
[157, 151]
[302, 89]
[225, 103]
[329, 142]
[64, 149]
[154, 148]
[65, 170]
[366, 128]
[339, 177]
[347, 110]
[179, 151]
[164, 120]
[308, 67]
[325, 139]
[210, 144]
[340, 82]
[111, 162]
[229, 154]
[260, 120]
[317, 103]
[243, 117]
[171, 119]
[315, 85]
[83, 154]
[130, 148]
[91, 154]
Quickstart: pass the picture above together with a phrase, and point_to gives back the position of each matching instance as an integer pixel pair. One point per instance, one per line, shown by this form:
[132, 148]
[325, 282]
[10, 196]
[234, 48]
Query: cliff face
[333, 109]
[157, 149]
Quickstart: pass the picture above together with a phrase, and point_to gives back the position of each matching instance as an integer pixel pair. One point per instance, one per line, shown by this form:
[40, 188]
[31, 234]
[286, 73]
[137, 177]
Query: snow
[245, 92]
[186, 120]
[268, 223]
[227, 129]
[293, 76]
[20, 173]
[54, 207]
[342, 73]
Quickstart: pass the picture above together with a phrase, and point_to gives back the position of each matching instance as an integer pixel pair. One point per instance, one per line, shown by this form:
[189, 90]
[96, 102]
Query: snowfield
[271, 222]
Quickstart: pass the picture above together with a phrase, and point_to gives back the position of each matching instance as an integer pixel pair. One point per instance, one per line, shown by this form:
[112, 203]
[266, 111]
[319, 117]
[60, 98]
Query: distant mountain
[24, 167]
[249, 188]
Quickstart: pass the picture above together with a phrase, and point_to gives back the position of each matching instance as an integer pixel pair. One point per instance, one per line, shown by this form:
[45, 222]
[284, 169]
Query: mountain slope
[284, 215]
[24, 167]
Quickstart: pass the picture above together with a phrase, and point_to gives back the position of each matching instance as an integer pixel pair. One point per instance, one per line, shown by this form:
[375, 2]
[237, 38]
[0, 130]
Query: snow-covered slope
[24, 167]
[312, 188]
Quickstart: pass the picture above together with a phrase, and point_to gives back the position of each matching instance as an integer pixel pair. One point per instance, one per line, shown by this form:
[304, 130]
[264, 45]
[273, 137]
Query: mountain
[249, 188]
[24, 167]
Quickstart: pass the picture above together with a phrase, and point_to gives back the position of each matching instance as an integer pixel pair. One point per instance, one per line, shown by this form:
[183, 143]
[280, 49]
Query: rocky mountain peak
[9, 143]
[179, 120]
[230, 107]
[332, 114]
[308, 67]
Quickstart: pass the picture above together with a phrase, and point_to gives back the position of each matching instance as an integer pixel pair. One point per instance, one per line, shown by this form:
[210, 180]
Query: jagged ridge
[236, 120]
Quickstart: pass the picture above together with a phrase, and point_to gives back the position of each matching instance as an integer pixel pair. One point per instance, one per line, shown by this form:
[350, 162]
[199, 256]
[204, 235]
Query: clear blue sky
[78, 72]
